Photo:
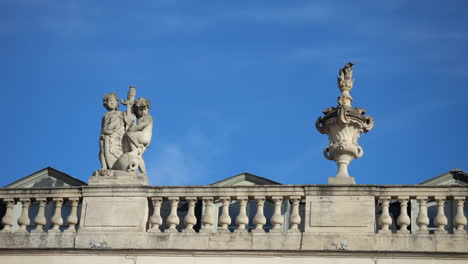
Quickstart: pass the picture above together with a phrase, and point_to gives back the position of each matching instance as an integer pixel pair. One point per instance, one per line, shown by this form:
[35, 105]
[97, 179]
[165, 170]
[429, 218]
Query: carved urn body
[344, 125]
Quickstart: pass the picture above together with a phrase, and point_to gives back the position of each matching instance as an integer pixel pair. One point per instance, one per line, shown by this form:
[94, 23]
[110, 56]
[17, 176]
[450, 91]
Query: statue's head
[110, 101]
[142, 105]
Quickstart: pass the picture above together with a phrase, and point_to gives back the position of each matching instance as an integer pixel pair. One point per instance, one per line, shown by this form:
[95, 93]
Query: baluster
[7, 220]
[40, 219]
[385, 220]
[225, 219]
[460, 219]
[57, 219]
[156, 219]
[23, 220]
[422, 220]
[295, 218]
[72, 219]
[277, 219]
[242, 220]
[259, 219]
[207, 219]
[190, 220]
[173, 219]
[440, 220]
[403, 219]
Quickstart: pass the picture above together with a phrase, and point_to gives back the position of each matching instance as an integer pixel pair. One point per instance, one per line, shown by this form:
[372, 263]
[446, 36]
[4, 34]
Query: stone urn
[344, 125]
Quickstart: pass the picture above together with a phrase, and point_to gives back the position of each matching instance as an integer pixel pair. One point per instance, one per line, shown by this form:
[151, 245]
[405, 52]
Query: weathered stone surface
[343, 125]
[124, 138]
[224, 256]
[119, 177]
[117, 214]
[341, 214]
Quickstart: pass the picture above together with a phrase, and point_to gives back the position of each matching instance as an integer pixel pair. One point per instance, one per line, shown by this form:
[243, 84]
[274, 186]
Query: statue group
[124, 135]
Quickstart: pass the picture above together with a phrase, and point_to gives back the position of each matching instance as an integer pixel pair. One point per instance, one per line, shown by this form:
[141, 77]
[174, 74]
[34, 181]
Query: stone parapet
[280, 217]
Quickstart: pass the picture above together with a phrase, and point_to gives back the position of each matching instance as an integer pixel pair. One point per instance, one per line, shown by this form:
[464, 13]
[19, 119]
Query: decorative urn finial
[343, 125]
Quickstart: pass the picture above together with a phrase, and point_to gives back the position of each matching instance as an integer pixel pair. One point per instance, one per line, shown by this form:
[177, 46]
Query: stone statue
[137, 138]
[124, 138]
[112, 131]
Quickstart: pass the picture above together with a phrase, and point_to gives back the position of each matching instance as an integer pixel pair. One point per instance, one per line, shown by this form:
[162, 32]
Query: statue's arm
[103, 128]
[144, 122]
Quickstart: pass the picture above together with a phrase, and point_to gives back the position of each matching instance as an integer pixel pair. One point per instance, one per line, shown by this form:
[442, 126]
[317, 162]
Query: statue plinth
[344, 125]
[118, 177]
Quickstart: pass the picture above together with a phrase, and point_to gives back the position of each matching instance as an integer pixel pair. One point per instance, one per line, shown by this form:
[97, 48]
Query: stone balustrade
[226, 209]
[295, 217]
[420, 200]
[34, 203]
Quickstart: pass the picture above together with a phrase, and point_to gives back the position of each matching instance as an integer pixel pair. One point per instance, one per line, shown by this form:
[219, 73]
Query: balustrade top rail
[61, 192]
[411, 191]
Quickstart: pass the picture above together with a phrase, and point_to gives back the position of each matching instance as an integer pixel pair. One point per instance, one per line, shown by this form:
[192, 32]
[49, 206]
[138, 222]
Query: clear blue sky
[236, 85]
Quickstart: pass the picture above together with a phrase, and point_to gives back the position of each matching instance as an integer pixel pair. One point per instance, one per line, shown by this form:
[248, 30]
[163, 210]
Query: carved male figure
[138, 135]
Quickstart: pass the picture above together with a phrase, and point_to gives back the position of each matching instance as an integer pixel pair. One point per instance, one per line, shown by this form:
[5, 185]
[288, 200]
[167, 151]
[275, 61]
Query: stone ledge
[237, 241]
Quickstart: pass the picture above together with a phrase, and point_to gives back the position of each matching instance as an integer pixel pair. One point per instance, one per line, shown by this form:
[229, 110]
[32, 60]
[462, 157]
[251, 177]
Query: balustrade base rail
[236, 241]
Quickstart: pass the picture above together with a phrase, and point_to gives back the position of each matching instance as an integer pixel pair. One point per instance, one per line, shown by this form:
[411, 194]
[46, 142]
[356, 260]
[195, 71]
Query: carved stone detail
[403, 219]
[385, 220]
[440, 220]
[242, 220]
[207, 219]
[422, 220]
[343, 125]
[23, 220]
[125, 136]
[40, 219]
[190, 220]
[57, 219]
[225, 218]
[7, 220]
[72, 219]
[277, 219]
[156, 219]
[259, 219]
[460, 219]
[295, 218]
[173, 219]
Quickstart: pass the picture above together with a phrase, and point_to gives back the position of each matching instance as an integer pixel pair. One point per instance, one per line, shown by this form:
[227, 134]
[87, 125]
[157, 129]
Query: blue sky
[236, 85]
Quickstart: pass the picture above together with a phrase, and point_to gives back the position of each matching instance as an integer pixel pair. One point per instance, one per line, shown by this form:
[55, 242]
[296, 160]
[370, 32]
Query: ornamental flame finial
[345, 83]
[343, 125]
